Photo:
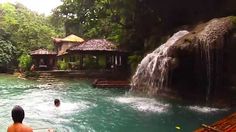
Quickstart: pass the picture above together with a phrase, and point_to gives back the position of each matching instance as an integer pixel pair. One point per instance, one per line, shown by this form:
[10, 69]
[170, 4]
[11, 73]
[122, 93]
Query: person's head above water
[57, 102]
[17, 114]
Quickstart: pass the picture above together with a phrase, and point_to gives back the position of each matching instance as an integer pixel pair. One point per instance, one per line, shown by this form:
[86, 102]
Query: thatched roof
[95, 45]
[42, 52]
[71, 38]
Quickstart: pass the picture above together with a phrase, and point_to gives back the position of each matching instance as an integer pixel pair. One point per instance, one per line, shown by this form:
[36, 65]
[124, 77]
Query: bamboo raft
[111, 84]
[227, 124]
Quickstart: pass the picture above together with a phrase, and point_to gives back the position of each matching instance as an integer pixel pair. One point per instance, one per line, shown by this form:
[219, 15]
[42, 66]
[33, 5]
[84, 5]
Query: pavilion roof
[42, 52]
[95, 45]
[71, 38]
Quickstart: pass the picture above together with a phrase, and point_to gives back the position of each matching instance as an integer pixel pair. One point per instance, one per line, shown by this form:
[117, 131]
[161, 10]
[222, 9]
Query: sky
[40, 6]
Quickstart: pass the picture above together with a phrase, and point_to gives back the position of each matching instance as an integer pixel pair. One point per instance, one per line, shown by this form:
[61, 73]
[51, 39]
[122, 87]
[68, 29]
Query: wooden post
[113, 61]
[124, 61]
[97, 59]
[81, 61]
[108, 61]
[120, 60]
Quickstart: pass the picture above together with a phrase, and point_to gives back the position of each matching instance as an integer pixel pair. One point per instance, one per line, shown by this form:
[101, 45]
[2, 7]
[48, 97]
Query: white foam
[51, 85]
[143, 104]
[72, 107]
[65, 107]
[153, 71]
[205, 109]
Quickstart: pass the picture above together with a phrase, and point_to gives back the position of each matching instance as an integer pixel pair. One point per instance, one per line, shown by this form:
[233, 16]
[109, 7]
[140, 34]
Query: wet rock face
[230, 63]
[199, 65]
[201, 57]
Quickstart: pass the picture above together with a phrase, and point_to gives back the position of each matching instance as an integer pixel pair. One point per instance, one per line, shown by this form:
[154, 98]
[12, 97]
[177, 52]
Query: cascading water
[152, 73]
[211, 41]
[195, 60]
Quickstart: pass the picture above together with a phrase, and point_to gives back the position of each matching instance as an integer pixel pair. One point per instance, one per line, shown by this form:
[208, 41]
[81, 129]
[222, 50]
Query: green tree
[7, 50]
[96, 18]
[25, 61]
[29, 30]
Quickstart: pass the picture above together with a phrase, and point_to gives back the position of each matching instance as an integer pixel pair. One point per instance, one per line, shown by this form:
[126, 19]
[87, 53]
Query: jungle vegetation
[138, 26]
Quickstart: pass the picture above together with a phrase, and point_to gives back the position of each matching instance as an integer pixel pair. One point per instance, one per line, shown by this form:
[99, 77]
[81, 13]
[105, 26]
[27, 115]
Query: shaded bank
[153, 20]
[198, 66]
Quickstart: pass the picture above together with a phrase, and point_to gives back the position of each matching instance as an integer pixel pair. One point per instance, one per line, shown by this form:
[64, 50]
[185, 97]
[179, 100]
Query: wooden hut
[100, 53]
[62, 44]
[43, 59]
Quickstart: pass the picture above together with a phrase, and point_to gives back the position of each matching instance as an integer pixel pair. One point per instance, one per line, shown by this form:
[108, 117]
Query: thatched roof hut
[43, 59]
[63, 44]
[42, 52]
[95, 45]
[71, 38]
[114, 57]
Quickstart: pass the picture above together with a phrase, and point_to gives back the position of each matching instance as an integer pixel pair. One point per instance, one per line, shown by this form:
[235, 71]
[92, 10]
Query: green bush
[25, 62]
[31, 74]
[102, 62]
[62, 65]
[90, 62]
[7, 52]
[134, 60]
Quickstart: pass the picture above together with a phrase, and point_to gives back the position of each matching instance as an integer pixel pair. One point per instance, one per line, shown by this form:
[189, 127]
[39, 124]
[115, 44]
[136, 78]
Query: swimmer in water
[57, 102]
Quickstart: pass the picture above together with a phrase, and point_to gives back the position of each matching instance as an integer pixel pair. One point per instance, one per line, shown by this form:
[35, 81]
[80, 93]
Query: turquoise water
[86, 109]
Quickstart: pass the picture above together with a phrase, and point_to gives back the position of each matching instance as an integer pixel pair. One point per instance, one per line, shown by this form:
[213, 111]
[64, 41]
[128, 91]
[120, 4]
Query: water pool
[86, 109]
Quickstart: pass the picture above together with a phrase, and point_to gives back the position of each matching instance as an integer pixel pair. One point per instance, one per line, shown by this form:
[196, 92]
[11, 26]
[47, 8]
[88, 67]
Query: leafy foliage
[31, 74]
[6, 52]
[25, 61]
[95, 18]
[89, 62]
[28, 30]
[134, 60]
[62, 65]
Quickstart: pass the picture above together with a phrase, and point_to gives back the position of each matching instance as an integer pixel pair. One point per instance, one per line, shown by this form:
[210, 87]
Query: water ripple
[144, 104]
[205, 109]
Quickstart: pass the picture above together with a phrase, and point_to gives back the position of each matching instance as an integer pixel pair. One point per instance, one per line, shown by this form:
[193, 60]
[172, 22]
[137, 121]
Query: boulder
[201, 65]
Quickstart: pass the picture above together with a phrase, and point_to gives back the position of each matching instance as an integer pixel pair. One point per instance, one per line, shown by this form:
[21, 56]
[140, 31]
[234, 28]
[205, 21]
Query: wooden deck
[111, 84]
[227, 124]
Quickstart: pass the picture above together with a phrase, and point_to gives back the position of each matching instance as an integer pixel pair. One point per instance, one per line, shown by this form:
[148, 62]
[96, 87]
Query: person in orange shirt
[18, 115]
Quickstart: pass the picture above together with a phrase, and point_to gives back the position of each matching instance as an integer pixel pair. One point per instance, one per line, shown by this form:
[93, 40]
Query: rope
[211, 128]
[44, 129]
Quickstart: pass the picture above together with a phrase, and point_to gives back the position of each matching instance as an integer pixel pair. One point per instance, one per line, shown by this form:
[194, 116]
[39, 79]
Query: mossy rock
[233, 19]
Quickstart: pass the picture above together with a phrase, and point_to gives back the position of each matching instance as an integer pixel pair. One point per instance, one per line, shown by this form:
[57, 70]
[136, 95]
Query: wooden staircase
[45, 76]
[111, 84]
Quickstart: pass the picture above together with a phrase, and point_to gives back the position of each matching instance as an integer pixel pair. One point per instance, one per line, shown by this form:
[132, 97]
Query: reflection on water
[86, 109]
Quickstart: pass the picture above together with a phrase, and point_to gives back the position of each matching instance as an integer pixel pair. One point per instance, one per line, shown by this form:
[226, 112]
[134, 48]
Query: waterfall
[152, 73]
[211, 42]
[191, 65]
